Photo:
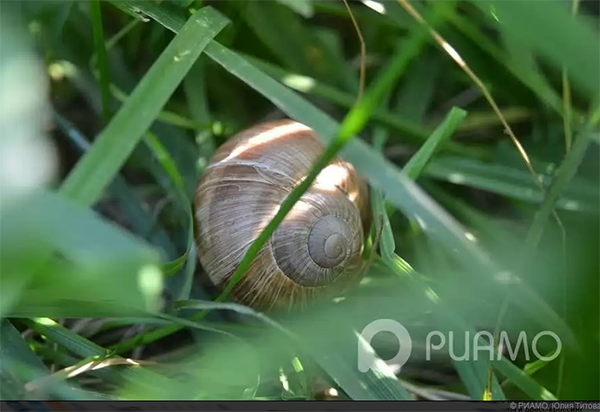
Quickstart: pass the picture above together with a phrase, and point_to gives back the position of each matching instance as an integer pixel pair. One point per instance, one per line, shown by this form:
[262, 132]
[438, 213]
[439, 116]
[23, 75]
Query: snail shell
[315, 250]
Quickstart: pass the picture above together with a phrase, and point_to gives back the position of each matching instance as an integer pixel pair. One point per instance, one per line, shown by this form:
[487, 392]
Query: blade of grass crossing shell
[351, 126]
[286, 206]
[110, 151]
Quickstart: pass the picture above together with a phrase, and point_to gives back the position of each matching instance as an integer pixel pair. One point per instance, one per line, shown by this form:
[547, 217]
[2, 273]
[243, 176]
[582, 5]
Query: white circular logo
[367, 357]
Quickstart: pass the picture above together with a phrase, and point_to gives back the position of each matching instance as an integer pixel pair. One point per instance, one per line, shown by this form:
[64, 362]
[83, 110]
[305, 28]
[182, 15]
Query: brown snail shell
[315, 250]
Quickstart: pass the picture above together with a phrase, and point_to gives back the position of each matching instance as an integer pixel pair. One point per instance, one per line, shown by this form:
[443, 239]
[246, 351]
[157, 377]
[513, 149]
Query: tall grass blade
[98, 167]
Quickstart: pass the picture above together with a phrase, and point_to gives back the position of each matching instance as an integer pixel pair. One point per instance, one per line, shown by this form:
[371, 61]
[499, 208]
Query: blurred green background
[110, 111]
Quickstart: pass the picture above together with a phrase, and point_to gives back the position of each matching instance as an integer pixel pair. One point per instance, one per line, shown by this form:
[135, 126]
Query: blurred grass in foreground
[97, 297]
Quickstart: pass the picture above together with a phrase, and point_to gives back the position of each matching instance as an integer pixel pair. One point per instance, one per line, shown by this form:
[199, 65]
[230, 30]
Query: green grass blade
[79, 346]
[18, 364]
[419, 161]
[164, 158]
[196, 93]
[99, 262]
[387, 244]
[99, 166]
[83, 348]
[65, 337]
[416, 93]
[100, 46]
[140, 219]
[166, 116]
[189, 257]
[523, 381]
[514, 183]
[564, 174]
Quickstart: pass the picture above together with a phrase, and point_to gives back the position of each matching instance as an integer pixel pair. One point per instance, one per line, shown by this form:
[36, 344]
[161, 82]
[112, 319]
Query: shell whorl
[318, 244]
[329, 241]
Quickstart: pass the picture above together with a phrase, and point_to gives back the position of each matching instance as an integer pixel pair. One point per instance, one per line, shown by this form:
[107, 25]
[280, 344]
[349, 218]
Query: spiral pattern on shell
[314, 250]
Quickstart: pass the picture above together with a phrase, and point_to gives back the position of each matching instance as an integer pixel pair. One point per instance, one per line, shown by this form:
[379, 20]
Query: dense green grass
[105, 134]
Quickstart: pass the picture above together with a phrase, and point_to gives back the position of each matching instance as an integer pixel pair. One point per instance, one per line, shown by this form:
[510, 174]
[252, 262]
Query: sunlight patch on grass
[375, 6]
[301, 83]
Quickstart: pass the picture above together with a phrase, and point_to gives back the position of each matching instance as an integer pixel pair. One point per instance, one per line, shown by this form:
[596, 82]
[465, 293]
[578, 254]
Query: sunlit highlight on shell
[267, 136]
[332, 177]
